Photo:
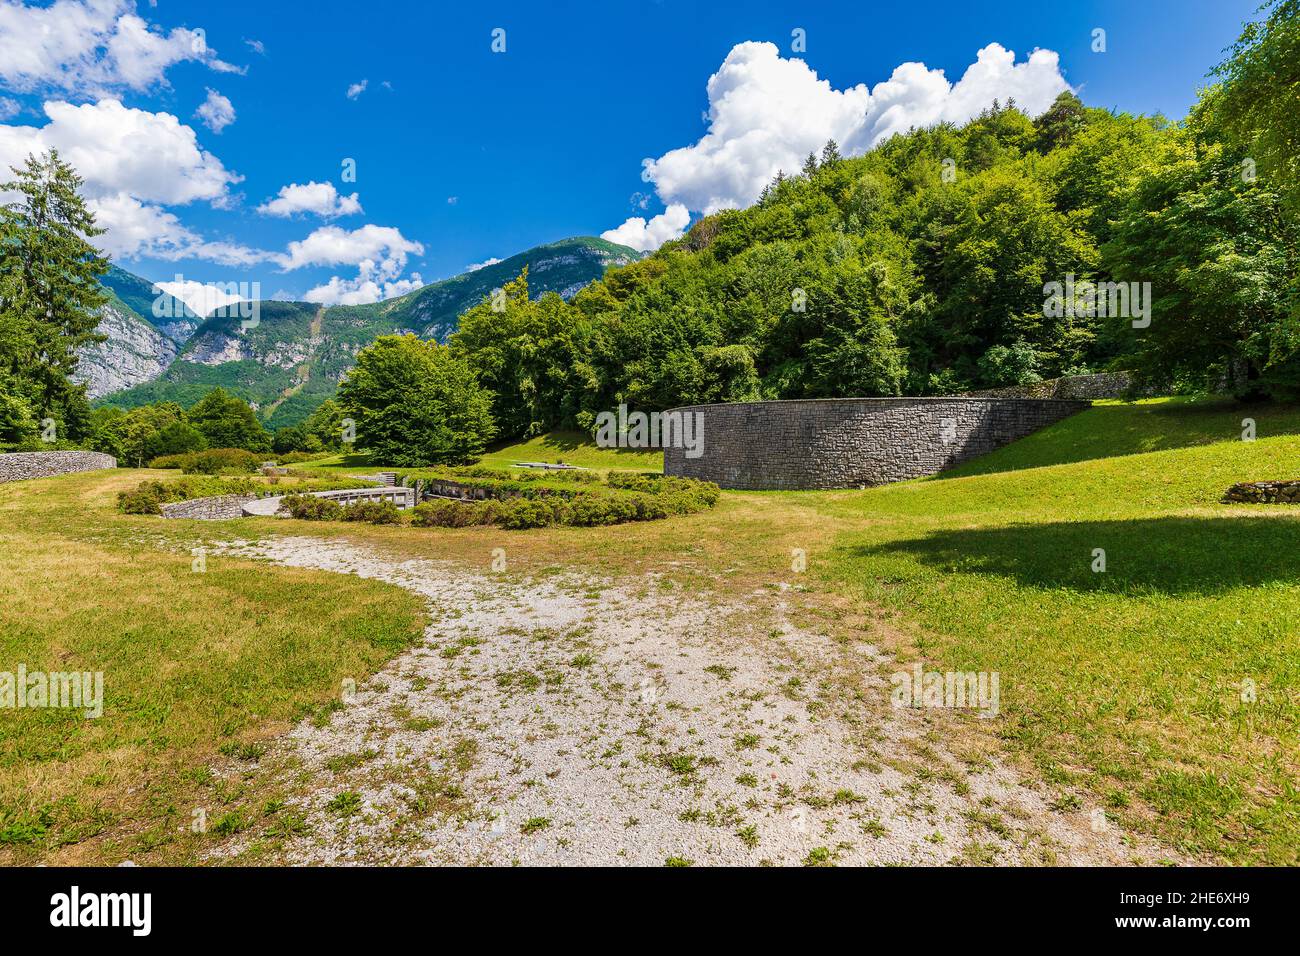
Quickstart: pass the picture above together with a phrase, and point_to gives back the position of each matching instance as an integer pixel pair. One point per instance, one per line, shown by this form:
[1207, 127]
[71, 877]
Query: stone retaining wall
[21, 465]
[852, 442]
[209, 509]
[1071, 387]
[1265, 492]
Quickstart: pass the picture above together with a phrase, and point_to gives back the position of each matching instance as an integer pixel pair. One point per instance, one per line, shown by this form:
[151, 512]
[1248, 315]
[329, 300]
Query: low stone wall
[18, 466]
[1071, 387]
[209, 509]
[1265, 493]
[270, 507]
[852, 442]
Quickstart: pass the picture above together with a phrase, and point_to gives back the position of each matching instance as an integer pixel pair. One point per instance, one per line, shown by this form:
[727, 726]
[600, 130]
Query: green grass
[1125, 686]
[1112, 429]
[1131, 679]
[196, 665]
[573, 448]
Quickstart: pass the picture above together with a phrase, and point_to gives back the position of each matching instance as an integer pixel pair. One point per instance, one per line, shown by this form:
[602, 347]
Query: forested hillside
[923, 268]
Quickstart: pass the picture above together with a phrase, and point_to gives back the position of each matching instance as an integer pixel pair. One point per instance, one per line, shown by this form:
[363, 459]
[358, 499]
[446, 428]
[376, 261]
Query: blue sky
[470, 154]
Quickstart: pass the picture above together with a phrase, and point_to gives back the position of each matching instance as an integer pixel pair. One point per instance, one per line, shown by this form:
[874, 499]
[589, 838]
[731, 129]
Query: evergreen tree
[49, 291]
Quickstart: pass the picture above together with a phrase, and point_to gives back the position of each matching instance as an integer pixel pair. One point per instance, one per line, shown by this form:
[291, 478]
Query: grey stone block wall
[18, 466]
[1098, 385]
[216, 508]
[845, 443]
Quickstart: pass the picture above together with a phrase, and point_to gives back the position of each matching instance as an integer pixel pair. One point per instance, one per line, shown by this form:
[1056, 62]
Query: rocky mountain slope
[295, 356]
[140, 346]
[135, 352]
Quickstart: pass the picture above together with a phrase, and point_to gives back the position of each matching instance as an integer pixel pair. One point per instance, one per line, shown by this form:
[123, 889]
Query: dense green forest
[947, 259]
[924, 267]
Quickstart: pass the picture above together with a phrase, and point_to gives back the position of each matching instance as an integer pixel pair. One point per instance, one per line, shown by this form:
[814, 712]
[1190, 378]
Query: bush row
[147, 497]
[583, 509]
[312, 508]
[212, 461]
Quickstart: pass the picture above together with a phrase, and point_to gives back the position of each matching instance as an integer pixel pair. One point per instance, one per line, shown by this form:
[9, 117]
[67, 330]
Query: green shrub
[170, 461]
[521, 513]
[312, 508]
[144, 500]
[149, 495]
[590, 510]
[211, 461]
[455, 514]
[373, 512]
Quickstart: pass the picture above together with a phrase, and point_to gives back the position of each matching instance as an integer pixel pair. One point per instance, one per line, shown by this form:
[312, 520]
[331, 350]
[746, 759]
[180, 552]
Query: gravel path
[573, 721]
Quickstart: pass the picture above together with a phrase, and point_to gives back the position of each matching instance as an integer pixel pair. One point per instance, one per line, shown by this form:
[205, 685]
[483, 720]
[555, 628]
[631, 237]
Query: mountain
[295, 356]
[170, 316]
[135, 352]
[140, 346]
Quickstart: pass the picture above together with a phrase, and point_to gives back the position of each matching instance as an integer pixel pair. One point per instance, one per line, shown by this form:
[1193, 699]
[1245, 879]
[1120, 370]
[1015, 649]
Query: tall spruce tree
[49, 292]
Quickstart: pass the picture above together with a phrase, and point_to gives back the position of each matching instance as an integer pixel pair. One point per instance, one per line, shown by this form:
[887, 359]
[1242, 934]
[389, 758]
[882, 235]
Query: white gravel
[572, 721]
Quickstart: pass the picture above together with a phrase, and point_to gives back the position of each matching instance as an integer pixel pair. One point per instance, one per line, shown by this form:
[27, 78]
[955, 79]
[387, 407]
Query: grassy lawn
[1128, 681]
[571, 448]
[1127, 684]
[194, 663]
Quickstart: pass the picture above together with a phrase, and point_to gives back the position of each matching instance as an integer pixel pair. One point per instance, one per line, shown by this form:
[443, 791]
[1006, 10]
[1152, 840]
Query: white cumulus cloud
[356, 89]
[644, 236]
[372, 284]
[490, 261]
[378, 252]
[217, 112]
[134, 163]
[92, 47]
[202, 298]
[767, 113]
[321, 199]
[151, 156]
[334, 246]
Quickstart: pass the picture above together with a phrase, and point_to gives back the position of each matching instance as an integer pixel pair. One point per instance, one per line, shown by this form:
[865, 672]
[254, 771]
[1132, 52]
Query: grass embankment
[558, 447]
[194, 663]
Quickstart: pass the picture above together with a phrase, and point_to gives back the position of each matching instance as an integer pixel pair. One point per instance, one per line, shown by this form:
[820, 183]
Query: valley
[295, 357]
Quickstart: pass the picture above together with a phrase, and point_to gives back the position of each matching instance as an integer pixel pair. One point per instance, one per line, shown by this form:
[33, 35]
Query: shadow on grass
[355, 460]
[1168, 555]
